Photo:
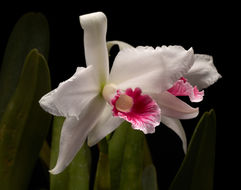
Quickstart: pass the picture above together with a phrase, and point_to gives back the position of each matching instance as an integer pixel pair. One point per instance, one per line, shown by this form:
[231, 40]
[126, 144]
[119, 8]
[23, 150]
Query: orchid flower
[141, 88]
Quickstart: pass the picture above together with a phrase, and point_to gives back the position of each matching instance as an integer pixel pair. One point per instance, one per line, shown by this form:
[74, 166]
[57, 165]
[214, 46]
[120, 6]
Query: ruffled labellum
[183, 88]
[138, 109]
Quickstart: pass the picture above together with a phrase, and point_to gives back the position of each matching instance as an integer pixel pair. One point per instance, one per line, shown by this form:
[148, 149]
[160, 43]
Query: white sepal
[73, 95]
[96, 54]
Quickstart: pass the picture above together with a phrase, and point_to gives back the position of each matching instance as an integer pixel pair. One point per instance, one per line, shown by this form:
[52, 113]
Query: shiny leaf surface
[24, 125]
[197, 169]
[31, 31]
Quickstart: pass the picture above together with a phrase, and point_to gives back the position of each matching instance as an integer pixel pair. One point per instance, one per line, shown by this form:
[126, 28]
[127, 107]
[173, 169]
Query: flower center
[124, 103]
[109, 91]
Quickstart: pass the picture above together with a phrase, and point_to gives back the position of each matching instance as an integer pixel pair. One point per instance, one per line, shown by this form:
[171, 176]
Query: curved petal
[203, 73]
[122, 45]
[172, 106]
[96, 54]
[105, 126]
[176, 126]
[74, 133]
[152, 70]
[72, 96]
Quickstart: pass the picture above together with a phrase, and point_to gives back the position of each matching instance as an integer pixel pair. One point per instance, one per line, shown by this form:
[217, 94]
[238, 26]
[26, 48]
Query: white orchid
[141, 89]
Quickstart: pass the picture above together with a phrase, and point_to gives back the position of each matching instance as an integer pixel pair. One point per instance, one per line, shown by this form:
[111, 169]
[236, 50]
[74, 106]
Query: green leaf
[116, 151]
[77, 174]
[125, 161]
[45, 153]
[102, 176]
[102, 179]
[147, 154]
[31, 31]
[149, 178]
[24, 125]
[197, 169]
[126, 158]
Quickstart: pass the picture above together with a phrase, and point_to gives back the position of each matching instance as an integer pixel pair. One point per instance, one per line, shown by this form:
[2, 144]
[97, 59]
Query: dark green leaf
[126, 158]
[24, 125]
[149, 178]
[116, 151]
[45, 153]
[197, 169]
[102, 179]
[77, 174]
[31, 31]
[147, 154]
[102, 176]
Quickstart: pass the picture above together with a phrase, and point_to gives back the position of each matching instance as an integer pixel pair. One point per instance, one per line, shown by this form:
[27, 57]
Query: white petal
[176, 126]
[152, 70]
[172, 106]
[107, 124]
[72, 96]
[74, 133]
[95, 26]
[203, 73]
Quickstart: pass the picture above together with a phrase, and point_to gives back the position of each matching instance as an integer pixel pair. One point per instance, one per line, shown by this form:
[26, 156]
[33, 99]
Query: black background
[206, 27]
